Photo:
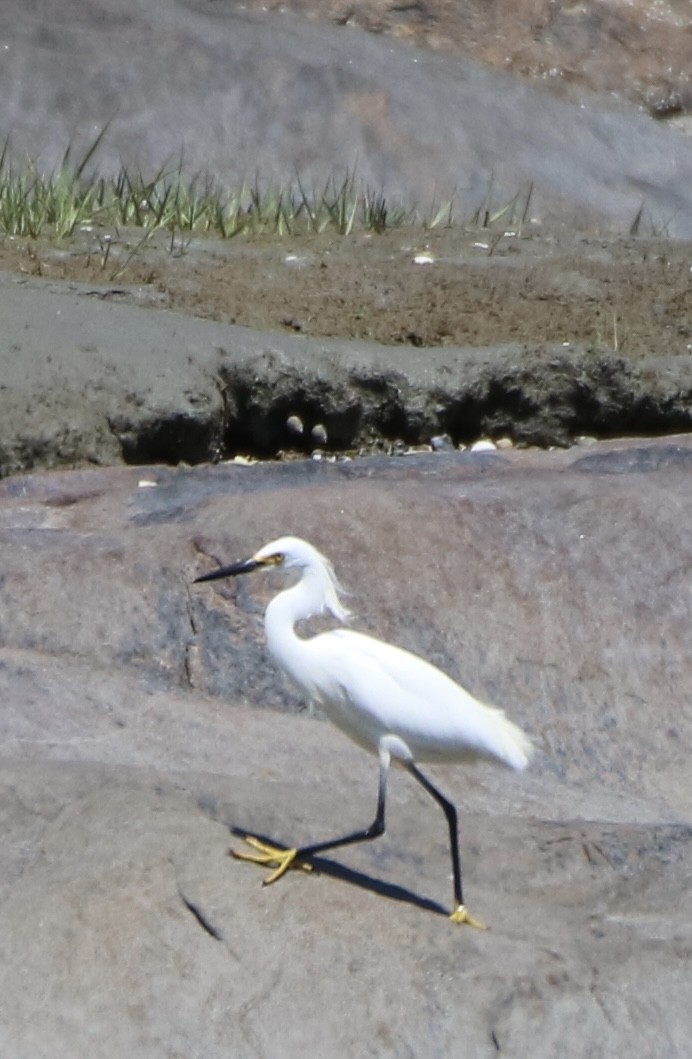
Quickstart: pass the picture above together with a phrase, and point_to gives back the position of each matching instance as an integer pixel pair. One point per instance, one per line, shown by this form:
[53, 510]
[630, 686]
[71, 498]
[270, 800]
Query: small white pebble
[424, 259]
[504, 443]
[415, 450]
[484, 445]
[146, 483]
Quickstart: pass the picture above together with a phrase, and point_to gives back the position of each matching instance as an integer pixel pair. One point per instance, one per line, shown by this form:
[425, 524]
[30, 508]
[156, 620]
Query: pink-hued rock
[553, 584]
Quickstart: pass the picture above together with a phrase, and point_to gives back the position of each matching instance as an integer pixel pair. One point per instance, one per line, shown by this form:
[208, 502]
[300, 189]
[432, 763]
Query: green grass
[56, 204]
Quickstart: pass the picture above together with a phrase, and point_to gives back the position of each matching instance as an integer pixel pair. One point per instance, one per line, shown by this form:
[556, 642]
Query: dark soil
[479, 287]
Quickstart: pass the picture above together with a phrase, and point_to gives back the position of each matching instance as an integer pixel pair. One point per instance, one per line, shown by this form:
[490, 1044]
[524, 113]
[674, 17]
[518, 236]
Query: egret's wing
[381, 688]
[417, 675]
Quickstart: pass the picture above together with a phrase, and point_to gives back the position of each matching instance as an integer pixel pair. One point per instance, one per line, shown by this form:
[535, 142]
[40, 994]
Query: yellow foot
[283, 859]
[461, 914]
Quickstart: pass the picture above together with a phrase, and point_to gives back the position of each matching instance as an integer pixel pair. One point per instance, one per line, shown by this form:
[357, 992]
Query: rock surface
[553, 584]
[639, 50]
[237, 95]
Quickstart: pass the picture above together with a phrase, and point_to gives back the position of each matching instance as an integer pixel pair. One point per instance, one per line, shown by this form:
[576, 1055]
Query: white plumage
[386, 699]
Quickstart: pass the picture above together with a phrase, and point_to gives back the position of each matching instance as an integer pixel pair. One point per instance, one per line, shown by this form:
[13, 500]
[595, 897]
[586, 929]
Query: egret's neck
[294, 604]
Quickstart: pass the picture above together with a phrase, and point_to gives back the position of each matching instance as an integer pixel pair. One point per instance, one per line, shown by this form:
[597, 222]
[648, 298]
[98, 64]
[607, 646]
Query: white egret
[387, 700]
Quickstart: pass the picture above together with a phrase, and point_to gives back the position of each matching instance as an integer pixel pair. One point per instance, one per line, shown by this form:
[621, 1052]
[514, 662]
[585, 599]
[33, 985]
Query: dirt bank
[208, 352]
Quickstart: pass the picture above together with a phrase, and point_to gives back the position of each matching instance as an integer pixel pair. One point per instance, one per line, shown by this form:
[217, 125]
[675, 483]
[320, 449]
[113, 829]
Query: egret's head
[291, 553]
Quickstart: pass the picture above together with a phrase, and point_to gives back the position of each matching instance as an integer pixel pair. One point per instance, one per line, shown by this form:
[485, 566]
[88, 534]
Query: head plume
[295, 553]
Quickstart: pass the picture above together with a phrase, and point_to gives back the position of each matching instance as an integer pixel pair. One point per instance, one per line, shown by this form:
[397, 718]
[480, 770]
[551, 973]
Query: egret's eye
[276, 559]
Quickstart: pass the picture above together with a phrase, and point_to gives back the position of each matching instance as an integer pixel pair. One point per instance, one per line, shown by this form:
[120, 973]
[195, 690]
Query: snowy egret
[387, 700]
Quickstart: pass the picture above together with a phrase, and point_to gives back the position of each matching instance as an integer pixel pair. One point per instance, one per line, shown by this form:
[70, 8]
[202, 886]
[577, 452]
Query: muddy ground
[453, 286]
[196, 350]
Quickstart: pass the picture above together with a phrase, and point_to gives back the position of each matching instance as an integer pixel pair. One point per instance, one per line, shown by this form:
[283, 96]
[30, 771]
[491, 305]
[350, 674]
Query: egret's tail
[510, 744]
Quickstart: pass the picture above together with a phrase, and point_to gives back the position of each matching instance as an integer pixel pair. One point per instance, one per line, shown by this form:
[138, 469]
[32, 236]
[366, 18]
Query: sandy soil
[474, 287]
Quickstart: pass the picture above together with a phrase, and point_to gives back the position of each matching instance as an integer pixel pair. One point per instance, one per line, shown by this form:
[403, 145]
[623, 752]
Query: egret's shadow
[326, 866]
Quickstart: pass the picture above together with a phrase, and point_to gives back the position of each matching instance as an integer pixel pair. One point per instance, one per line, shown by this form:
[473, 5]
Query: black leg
[451, 815]
[374, 831]
[281, 859]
